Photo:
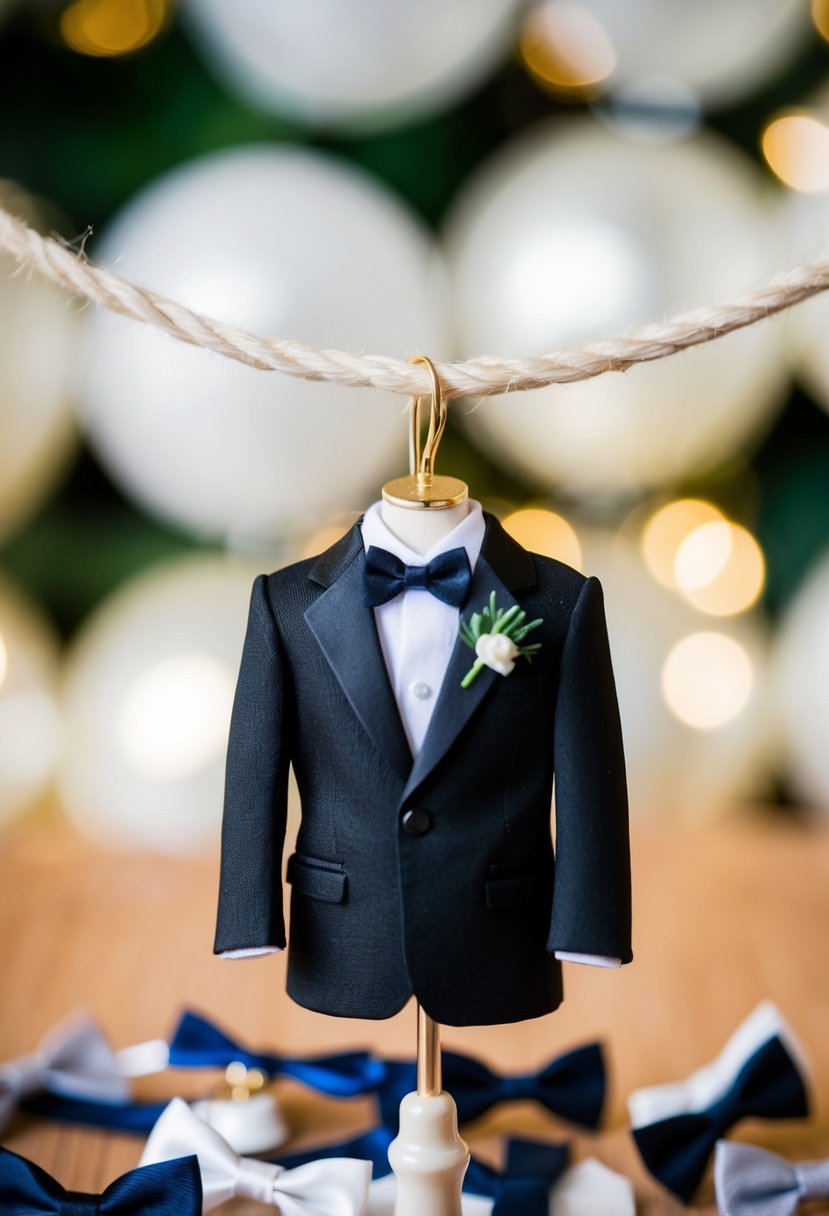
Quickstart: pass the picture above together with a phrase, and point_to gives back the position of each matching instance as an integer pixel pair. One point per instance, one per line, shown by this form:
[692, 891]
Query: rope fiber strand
[478, 377]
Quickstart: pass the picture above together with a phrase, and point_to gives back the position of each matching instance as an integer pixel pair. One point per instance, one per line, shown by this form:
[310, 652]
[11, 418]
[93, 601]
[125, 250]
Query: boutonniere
[496, 634]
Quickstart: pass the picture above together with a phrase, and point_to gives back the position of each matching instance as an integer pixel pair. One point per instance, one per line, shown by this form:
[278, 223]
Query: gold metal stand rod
[429, 1079]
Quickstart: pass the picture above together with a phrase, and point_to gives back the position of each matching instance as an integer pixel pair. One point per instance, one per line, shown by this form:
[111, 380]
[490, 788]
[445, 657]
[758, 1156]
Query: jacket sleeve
[592, 900]
[256, 790]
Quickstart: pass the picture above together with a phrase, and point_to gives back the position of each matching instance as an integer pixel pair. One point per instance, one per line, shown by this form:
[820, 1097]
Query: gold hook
[422, 488]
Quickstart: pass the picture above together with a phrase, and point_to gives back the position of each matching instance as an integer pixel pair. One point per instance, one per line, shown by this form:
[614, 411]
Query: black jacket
[455, 904]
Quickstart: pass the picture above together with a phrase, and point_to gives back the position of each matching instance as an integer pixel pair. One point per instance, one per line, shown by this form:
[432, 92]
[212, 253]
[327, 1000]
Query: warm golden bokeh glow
[175, 717]
[4, 661]
[796, 148]
[820, 17]
[566, 49]
[113, 27]
[323, 539]
[707, 680]
[667, 529]
[720, 568]
[545, 532]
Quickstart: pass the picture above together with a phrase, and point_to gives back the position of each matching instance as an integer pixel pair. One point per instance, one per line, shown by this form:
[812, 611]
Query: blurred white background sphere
[366, 64]
[30, 721]
[38, 339]
[721, 48]
[572, 234]
[284, 242]
[802, 687]
[148, 692]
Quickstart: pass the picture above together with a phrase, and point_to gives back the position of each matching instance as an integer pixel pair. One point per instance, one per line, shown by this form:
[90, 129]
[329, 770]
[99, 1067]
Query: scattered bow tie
[754, 1182]
[372, 1146]
[446, 576]
[171, 1189]
[197, 1043]
[523, 1189]
[758, 1074]
[572, 1086]
[332, 1187]
[73, 1060]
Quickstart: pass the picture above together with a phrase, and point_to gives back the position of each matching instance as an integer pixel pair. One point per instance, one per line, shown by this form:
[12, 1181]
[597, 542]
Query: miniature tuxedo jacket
[433, 877]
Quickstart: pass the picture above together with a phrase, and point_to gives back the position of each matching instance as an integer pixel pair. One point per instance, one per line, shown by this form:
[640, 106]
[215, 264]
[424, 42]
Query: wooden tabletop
[726, 914]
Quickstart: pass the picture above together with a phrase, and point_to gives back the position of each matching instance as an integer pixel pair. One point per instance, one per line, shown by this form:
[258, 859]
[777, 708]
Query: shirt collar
[468, 535]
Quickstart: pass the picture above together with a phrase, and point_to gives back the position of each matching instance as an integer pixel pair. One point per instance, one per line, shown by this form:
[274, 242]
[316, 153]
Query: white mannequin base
[428, 1157]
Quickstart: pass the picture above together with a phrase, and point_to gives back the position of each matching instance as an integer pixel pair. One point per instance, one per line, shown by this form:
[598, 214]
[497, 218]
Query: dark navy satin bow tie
[754, 1182]
[676, 1150]
[172, 1188]
[446, 576]
[571, 1086]
[197, 1043]
[523, 1189]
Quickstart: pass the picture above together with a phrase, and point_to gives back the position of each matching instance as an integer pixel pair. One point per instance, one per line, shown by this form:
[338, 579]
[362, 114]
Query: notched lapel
[344, 627]
[456, 705]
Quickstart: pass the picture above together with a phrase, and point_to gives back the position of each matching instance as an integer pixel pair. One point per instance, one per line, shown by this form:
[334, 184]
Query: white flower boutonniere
[496, 634]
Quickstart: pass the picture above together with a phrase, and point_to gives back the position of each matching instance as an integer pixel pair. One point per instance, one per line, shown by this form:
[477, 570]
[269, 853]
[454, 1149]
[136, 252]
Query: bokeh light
[545, 532]
[820, 17]
[4, 661]
[105, 28]
[667, 529]
[796, 148]
[720, 568]
[566, 49]
[707, 679]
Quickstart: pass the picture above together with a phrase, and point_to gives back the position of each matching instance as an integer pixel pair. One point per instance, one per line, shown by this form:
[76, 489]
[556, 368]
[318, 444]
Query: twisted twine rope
[474, 377]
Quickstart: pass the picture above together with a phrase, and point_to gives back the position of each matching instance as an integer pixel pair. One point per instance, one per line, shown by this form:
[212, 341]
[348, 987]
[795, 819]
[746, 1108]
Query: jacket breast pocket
[509, 885]
[317, 879]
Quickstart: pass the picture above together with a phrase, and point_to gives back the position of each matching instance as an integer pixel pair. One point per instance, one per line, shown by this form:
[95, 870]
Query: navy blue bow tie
[521, 1190]
[446, 576]
[571, 1086]
[768, 1086]
[172, 1188]
[197, 1043]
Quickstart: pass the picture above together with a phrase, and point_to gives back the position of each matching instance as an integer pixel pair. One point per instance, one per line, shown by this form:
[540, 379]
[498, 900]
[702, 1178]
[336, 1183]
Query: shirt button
[416, 822]
[422, 691]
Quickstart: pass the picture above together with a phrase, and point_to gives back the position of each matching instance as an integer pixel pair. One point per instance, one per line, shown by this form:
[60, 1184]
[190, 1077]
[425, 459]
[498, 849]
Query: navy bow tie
[197, 1043]
[446, 576]
[172, 1188]
[768, 1086]
[521, 1190]
[571, 1086]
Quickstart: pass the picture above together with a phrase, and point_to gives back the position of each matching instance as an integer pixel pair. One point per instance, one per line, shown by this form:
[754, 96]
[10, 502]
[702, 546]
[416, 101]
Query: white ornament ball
[367, 64]
[802, 687]
[148, 693]
[38, 338]
[692, 691]
[571, 234]
[30, 720]
[723, 49]
[285, 242]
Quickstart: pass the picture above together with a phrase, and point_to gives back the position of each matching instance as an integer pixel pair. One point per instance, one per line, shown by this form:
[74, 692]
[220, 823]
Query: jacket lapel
[502, 566]
[344, 626]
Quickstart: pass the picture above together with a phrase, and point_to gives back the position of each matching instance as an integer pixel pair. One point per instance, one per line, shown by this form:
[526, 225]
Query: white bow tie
[337, 1186]
[73, 1059]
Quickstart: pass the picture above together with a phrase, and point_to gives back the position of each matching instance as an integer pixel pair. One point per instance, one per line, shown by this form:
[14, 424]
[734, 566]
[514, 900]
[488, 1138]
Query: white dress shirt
[417, 634]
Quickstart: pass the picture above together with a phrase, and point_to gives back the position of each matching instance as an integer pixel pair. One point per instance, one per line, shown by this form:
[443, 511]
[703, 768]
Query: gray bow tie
[754, 1182]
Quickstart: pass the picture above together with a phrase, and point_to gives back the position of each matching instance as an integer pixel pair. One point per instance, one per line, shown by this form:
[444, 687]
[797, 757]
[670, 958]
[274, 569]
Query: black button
[416, 822]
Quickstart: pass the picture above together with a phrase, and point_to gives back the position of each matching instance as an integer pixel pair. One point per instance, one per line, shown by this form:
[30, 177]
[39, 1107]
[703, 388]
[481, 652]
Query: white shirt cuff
[251, 952]
[591, 960]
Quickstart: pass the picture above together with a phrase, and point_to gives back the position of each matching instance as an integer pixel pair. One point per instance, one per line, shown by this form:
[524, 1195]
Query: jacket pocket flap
[508, 892]
[318, 880]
